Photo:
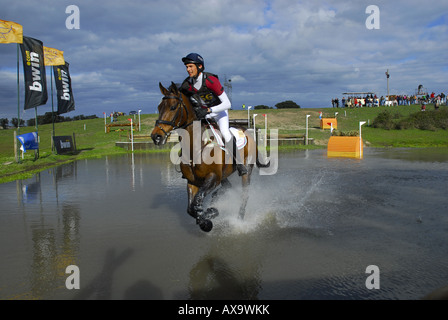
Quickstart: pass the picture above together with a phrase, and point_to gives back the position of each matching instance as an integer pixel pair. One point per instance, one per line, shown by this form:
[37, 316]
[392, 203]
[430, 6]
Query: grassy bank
[92, 141]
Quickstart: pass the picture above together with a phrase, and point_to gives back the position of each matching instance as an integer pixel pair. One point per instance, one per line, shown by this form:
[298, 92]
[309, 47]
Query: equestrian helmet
[195, 59]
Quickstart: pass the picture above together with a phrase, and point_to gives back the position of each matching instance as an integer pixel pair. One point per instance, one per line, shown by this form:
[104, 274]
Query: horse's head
[174, 112]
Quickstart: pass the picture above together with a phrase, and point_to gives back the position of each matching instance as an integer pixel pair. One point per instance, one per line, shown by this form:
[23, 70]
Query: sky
[269, 51]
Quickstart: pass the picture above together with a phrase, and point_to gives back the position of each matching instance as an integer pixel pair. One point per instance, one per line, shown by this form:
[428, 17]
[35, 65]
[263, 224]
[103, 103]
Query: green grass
[92, 141]
[412, 138]
[376, 137]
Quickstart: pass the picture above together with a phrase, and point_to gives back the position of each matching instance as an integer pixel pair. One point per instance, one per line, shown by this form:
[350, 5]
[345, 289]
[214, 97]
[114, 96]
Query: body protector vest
[207, 96]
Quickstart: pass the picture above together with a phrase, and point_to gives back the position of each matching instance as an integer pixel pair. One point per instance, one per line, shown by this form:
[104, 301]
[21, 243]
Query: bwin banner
[34, 71]
[66, 103]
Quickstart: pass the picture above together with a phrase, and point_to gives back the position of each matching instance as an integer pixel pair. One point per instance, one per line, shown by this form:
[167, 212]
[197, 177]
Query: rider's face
[192, 69]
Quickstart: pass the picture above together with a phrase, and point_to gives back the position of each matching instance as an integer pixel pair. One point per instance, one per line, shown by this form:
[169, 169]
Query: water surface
[310, 232]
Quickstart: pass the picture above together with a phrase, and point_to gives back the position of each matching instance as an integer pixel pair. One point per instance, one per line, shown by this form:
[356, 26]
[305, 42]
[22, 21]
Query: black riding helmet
[195, 59]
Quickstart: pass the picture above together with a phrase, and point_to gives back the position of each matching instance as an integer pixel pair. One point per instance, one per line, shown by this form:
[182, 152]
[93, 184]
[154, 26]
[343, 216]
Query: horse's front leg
[196, 199]
[192, 208]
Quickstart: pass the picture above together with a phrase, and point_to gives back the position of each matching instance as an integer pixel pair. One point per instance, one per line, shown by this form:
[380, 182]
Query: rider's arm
[224, 105]
[215, 86]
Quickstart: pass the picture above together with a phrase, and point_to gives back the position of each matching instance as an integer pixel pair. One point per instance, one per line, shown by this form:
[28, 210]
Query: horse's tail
[259, 164]
[257, 160]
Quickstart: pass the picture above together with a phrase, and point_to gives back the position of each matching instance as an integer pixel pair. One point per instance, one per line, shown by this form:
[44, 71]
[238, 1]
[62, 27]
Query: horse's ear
[163, 90]
[174, 88]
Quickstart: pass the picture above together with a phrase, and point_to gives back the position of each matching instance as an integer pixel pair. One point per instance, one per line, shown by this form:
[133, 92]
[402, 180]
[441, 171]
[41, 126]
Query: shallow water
[310, 231]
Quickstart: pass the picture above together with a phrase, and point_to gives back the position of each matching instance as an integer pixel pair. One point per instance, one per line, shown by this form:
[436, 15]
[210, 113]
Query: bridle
[179, 114]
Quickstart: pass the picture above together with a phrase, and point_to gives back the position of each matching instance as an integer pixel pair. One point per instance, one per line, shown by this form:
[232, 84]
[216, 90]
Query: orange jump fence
[325, 123]
[347, 147]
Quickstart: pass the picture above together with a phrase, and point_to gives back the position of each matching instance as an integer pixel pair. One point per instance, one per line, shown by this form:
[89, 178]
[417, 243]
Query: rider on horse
[210, 101]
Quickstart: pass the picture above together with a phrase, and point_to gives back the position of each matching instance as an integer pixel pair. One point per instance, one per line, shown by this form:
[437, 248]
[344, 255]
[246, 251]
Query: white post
[255, 129]
[139, 123]
[306, 135]
[360, 137]
[132, 135]
[248, 117]
[15, 147]
[265, 130]
[105, 122]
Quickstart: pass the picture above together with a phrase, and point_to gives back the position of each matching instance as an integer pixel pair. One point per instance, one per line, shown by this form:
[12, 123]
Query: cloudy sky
[272, 50]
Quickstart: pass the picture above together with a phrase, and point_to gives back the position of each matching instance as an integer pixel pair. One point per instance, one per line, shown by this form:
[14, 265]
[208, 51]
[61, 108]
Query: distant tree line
[47, 118]
[281, 105]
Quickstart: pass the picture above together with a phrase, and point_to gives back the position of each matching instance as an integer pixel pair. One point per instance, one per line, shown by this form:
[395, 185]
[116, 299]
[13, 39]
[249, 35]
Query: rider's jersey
[209, 91]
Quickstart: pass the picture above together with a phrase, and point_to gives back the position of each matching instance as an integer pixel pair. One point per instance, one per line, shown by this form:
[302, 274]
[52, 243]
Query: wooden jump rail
[174, 137]
[108, 126]
[241, 122]
[138, 137]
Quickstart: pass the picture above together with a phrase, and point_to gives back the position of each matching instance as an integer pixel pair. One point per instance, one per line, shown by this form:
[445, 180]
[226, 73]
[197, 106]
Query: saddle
[213, 136]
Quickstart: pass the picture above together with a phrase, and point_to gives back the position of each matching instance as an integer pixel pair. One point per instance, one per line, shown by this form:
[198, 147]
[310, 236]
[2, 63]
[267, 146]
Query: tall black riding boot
[236, 156]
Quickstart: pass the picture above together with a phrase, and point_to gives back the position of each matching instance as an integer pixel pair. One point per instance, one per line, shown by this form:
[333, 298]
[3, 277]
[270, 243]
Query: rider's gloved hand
[201, 112]
[199, 107]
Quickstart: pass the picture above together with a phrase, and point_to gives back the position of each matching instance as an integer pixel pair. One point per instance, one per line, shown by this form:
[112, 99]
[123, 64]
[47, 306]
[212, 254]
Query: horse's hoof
[205, 224]
[211, 213]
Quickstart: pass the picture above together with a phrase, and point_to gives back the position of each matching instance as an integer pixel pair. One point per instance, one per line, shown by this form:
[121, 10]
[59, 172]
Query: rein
[179, 112]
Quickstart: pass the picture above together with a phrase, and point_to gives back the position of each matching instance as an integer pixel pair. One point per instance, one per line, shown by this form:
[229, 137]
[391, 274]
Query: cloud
[306, 51]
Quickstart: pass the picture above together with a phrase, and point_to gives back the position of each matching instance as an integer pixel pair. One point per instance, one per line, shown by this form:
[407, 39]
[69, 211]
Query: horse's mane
[174, 87]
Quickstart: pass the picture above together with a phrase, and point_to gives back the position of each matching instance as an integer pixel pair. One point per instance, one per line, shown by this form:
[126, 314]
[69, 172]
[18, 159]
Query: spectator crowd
[371, 100]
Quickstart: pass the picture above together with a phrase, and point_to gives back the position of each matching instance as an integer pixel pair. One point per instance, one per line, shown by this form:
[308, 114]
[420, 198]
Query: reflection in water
[229, 270]
[44, 261]
[53, 251]
[310, 230]
[30, 192]
[101, 286]
[54, 246]
[143, 290]
[212, 278]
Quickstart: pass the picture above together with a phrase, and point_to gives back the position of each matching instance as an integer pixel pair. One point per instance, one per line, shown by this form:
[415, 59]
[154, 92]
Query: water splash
[279, 202]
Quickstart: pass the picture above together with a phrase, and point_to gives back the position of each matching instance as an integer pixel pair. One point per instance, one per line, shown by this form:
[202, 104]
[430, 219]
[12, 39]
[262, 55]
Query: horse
[203, 177]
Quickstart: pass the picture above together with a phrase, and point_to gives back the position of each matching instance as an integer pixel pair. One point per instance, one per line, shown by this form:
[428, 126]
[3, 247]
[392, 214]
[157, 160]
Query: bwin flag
[34, 70]
[10, 32]
[66, 103]
[53, 57]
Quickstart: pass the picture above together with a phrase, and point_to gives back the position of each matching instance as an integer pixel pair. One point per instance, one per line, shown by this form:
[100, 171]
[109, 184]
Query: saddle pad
[241, 139]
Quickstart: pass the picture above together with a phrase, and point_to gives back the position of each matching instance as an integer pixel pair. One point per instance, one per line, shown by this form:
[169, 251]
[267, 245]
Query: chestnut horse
[176, 112]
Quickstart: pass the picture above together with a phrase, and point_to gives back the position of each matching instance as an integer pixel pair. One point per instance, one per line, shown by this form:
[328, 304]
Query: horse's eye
[173, 107]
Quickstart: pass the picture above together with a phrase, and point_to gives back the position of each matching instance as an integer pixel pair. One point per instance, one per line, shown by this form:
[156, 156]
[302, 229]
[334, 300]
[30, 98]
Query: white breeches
[222, 118]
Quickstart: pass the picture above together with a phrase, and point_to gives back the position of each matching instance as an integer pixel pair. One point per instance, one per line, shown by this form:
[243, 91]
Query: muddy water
[310, 232]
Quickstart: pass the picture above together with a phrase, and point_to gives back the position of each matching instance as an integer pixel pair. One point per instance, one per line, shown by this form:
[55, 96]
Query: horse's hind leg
[225, 185]
[245, 193]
